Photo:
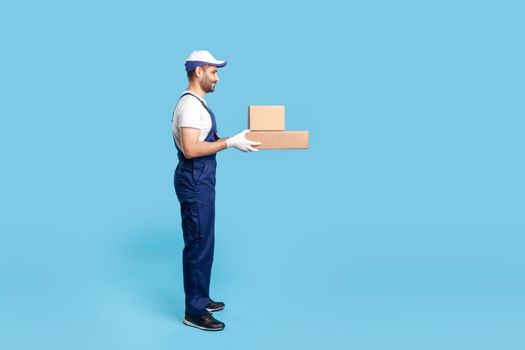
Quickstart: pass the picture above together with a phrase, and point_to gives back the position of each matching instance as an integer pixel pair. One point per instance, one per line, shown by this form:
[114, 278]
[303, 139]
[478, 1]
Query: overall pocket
[190, 221]
[198, 172]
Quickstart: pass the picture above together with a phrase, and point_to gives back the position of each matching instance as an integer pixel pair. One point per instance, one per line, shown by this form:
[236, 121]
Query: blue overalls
[195, 187]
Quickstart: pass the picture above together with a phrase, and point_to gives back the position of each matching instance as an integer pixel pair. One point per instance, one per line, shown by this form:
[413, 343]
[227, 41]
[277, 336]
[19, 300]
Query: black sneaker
[214, 306]
[204, 322]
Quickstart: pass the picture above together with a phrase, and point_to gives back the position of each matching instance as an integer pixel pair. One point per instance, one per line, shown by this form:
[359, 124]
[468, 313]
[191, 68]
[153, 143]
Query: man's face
[209, 78]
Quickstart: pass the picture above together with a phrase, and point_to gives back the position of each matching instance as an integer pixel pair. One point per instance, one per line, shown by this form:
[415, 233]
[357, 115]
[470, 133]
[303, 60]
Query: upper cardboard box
[266, 118]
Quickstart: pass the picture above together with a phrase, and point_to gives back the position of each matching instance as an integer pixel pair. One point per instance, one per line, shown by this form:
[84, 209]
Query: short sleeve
[190, 114]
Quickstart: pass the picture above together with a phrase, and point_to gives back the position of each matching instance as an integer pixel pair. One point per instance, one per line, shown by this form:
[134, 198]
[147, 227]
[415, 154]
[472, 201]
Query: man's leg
[196, 193]
[198, 227]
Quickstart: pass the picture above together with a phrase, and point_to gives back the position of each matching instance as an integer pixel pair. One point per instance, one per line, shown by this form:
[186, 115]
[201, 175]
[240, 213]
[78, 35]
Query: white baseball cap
[200, 58]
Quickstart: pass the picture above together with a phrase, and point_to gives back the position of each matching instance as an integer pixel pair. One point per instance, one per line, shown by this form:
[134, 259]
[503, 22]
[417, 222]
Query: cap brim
[191, 65]
[219, 64]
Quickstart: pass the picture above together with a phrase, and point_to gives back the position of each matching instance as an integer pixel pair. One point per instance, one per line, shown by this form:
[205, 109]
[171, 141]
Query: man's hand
[240, 142]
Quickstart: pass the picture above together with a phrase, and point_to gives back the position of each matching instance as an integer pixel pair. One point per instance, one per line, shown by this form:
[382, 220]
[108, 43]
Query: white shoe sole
[188, 323]
[215, 310]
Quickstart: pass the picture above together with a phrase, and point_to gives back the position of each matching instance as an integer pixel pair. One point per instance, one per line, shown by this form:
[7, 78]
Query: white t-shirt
[190, 113]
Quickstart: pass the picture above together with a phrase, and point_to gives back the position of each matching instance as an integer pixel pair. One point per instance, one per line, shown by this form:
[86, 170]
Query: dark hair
[191, 74]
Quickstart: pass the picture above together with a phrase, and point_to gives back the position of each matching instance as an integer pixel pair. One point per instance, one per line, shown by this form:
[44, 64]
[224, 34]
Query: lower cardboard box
[279, 139]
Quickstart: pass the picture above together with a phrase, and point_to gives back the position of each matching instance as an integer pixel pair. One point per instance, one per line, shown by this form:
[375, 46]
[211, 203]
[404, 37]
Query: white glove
[240, 142]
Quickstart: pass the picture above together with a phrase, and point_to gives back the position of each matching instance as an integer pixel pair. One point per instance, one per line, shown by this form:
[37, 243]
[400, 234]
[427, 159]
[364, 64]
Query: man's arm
[192, 147]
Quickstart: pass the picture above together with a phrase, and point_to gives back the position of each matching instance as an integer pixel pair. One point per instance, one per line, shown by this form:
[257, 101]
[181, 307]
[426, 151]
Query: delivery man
[197, 142]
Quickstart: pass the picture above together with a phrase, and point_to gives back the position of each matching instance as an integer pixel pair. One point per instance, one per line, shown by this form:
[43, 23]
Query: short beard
[206, 85]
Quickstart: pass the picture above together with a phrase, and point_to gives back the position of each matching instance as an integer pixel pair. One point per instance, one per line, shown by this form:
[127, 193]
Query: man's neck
[196, 89]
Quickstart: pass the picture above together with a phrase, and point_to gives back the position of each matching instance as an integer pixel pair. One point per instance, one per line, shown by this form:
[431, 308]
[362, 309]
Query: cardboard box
[279, 139]
[266, 118]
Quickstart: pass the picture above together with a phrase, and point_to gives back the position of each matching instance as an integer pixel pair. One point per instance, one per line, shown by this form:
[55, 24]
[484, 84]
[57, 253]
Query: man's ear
[198, 71]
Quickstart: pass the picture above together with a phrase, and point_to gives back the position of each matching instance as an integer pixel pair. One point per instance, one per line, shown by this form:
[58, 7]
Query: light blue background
[400, 228]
